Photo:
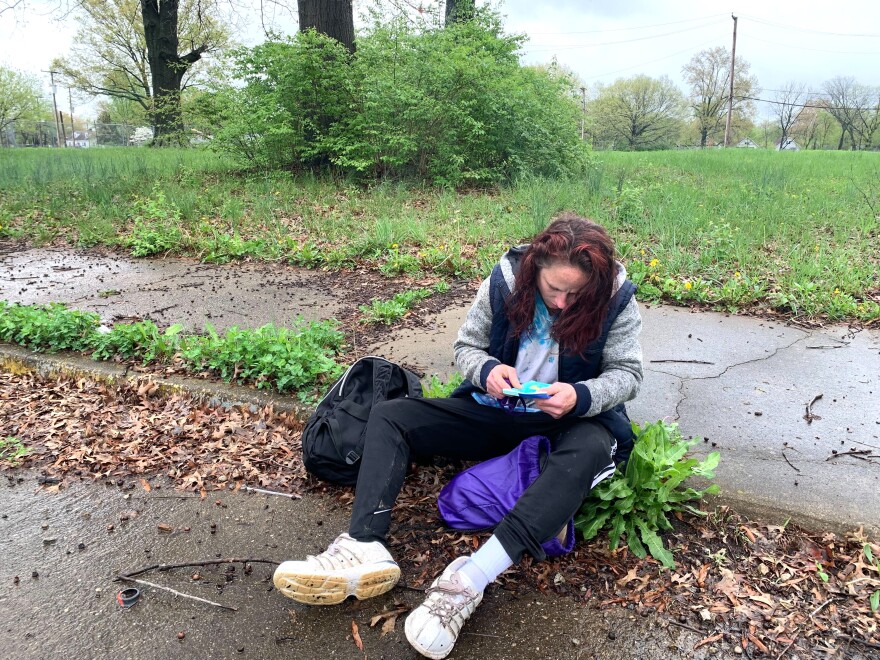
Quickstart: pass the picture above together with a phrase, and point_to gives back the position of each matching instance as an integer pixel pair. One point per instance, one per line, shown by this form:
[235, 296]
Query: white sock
[487, 563]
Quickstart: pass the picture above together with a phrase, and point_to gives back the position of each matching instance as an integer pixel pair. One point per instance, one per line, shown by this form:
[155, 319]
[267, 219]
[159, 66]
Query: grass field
[737, 229]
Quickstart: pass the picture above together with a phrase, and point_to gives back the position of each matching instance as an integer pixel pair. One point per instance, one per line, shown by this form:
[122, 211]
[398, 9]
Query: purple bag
[478, 498]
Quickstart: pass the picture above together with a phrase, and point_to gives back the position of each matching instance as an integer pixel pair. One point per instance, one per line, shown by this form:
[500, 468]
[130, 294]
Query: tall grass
[795, 232]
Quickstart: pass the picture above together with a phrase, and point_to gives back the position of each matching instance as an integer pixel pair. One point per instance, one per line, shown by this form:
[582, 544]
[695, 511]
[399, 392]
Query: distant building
[790, 145]
[80, 139]
[747, 143]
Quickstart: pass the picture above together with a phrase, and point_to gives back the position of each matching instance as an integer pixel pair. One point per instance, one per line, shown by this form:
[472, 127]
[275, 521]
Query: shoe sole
[314, 589]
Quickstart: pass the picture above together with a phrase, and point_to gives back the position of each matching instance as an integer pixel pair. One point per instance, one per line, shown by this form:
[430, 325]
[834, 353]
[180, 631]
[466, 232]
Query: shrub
[452, 106]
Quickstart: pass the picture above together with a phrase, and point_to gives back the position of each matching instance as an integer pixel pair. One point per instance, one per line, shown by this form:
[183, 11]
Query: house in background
[80, 139]
[747, 143]
[790, 145]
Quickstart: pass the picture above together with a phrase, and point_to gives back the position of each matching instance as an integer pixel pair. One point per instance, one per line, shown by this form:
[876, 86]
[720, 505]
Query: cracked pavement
[741, 383]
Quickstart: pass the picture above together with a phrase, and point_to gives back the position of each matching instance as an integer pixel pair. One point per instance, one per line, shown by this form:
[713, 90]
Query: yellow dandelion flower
[737, 275]
[688, 286]
[643, 253]
[653, 263]
[394, 246]
[836, 292]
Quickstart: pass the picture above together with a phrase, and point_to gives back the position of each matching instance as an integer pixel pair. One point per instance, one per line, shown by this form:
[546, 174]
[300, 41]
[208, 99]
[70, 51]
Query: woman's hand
[562, 400]
[501, 377]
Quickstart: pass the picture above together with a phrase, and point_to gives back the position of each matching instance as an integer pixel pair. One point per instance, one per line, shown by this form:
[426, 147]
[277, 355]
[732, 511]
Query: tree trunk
[166, 68]
[335, 18]
[458, 11]
[704, 133]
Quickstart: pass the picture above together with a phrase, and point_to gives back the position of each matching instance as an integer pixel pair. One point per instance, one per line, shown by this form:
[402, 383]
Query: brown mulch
[771, 590]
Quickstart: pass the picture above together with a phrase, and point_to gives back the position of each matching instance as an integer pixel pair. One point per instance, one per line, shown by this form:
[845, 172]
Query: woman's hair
[569, 240]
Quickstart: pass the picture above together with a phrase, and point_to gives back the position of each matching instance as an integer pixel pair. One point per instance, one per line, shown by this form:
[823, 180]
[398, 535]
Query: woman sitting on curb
[559, 310]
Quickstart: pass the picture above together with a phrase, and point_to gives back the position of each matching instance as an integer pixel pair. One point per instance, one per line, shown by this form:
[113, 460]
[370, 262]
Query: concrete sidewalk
[742, 383]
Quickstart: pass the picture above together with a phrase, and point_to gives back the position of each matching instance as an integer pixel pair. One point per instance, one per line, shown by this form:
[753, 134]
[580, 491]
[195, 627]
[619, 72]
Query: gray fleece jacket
[621, 363]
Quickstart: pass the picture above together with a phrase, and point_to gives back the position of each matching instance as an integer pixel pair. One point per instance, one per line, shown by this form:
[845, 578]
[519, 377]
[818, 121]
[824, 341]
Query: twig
[481, 634]
[829, 346]
[818, 609]
[176, 593]
[864, 454]
[863, 642]
[683, 361]
[209, 562]
[293, 496]
[686, 627]
[790, 644]
[809, 416]
[790, 463]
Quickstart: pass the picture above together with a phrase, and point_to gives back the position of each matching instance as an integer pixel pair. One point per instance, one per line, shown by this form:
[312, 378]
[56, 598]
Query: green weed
[636, 502]
[388, 311]
[435, 388]
[12, 450]
[270, 357]
[50, 327]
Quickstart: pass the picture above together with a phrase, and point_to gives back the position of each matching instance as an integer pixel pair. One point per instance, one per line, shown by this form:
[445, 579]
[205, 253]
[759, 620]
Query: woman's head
[571, 266]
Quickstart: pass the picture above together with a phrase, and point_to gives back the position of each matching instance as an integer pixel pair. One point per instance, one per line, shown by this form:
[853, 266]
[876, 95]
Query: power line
[654, 59]
[624, 41]
[805, 105]
[640, 27]
[802, 29]
[817, 50]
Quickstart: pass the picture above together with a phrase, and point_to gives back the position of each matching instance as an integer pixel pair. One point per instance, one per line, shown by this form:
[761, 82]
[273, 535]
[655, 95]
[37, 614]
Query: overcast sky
[805, 41]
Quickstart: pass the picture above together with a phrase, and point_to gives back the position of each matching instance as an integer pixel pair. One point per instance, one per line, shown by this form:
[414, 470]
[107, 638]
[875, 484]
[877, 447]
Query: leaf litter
[766, 590]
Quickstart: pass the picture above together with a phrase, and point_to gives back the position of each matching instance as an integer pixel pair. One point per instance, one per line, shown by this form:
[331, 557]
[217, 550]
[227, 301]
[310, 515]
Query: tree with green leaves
[334, 18]
[21, 98]
[145, 52]
[708, 75]
[638, 113]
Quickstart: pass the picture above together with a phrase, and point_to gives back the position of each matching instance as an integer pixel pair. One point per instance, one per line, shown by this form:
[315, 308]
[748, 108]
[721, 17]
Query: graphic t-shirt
[537, 358]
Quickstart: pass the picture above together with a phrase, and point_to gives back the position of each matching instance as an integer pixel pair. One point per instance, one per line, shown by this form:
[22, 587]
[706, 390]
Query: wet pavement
[65, 556]
[741, 383]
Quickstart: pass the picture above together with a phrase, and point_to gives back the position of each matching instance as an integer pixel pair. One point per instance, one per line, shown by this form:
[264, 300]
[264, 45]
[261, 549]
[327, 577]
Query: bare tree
[842, 103]
[867, 122]
[335, 18]
[787, 108]
[708, 74]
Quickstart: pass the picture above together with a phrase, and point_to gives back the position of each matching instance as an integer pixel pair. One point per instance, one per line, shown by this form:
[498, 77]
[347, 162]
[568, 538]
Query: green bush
[452, 106]
[635, 503]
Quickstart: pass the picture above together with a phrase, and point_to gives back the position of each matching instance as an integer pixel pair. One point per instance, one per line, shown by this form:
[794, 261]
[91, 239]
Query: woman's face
[560, 284]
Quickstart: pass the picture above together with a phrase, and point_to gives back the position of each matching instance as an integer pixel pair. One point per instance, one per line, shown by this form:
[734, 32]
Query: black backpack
[333, 438]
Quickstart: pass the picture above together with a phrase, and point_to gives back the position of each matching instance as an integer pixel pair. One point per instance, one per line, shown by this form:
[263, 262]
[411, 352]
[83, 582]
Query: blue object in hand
[530, 389]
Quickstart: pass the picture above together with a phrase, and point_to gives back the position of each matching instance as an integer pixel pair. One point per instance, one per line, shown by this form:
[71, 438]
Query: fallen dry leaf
[146, 485]
[708, 640]
[356, 635]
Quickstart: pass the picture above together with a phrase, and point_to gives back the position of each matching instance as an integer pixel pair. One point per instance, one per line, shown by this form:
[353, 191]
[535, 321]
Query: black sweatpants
[464, 429]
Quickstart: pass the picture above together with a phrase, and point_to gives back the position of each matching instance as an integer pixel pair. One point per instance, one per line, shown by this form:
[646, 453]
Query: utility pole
[732, 73]
[55, 107]
[72, 128]
[583, 112]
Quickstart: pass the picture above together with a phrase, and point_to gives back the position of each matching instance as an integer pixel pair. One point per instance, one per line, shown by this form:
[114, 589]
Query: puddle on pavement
[166, 291]
[70, 609]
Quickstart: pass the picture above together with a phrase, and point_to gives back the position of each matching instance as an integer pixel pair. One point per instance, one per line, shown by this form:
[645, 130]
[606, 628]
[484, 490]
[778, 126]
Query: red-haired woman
[559, 310]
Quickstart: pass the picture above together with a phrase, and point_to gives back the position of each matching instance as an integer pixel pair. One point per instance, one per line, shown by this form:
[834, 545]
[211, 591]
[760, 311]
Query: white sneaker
[346, 568]
[433, 626]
